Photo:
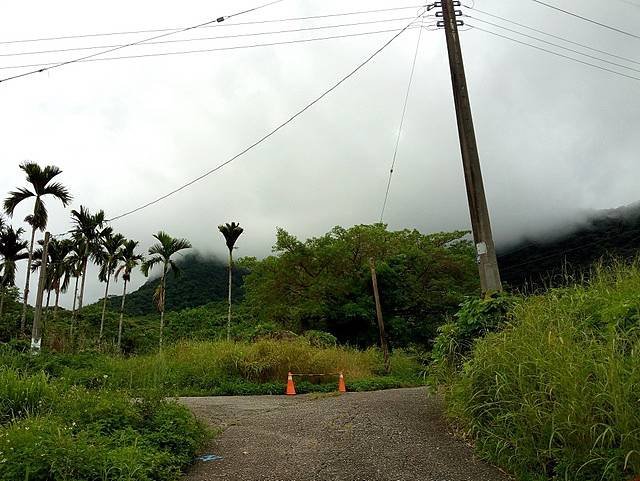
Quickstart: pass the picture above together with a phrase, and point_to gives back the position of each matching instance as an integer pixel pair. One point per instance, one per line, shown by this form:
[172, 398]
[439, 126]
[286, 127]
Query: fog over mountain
[557, 139]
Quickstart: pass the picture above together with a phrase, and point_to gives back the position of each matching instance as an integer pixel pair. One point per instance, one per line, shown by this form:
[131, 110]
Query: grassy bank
[220, 367]
[556, 393]
[49, 432]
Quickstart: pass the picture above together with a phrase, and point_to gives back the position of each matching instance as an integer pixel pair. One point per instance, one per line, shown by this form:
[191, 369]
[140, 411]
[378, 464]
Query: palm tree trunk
[104, 306]
[23, 318]
[229, 316]
[73, 313]
[162, 299]
[55, 309]
[46, 310]
[124, 296]
[84, 277]
[1, 301]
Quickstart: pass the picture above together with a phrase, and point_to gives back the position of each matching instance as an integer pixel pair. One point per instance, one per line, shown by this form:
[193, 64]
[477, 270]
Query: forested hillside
[606, 234]
[203, 280]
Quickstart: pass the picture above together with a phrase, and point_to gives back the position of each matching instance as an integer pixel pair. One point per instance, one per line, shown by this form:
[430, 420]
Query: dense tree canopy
[325, 282]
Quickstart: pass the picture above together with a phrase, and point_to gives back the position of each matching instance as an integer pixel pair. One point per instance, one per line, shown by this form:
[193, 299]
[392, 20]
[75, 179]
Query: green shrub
[476, 318]
[53, 433]
[321, 338]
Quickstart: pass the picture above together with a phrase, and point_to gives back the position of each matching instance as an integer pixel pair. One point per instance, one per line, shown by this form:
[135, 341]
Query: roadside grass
[49, 432]
[556, 393]
[192, 368]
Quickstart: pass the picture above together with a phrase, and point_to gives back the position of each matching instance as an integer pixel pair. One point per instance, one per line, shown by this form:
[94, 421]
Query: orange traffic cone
[291, 388]
[341, 386]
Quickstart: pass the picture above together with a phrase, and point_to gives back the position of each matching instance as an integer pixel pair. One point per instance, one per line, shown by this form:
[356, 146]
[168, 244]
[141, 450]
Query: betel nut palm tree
[231, 232]
[161, 253]
[86, 233]
[12, 250]
[107, 258]
[41, 186]
[129, 260]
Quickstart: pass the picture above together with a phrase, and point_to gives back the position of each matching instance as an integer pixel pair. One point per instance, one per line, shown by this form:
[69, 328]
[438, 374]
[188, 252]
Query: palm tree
[129, 261]
[161, 253]
[59, 269]
[87, 233]
[107, 258]
[42, 185]
[12, 250]
[74, 264]
[231, 232]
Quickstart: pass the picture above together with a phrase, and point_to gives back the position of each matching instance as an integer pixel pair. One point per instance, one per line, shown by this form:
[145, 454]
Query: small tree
[161, 253]
[231, 232]
[129, 260]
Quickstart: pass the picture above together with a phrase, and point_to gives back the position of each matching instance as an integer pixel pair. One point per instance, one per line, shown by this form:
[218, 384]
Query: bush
[321, 339]
[476, 318]
[51, 433]
[555, 394]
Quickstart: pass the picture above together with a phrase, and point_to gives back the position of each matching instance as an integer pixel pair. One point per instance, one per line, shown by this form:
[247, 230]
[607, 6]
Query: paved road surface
[396, 435]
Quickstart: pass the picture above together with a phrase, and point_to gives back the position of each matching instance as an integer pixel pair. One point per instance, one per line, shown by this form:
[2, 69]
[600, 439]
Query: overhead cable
[270, 133]
[402, 117]
[593, 57]
[586, 19]
[558, 37]
[218, 49]
[220, 37]
[216, 25]
[67, 62]
[568, 57]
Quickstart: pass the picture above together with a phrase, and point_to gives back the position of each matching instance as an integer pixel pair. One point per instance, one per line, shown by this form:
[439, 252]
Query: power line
[564, 39]
[218, 49]
[67, 62]
[556, 53]
[217, 25]
[220, 37]
[595, 22]
[402, 117]
[272, 132]
[555, 44]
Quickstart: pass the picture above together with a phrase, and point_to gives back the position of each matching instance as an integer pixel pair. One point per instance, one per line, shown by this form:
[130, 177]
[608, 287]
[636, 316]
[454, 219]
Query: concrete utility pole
[383, 335]
[36, 330]
[481, 225]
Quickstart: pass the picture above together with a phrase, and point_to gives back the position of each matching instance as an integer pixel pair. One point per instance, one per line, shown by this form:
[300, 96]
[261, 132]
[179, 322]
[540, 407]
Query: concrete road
[396, 435]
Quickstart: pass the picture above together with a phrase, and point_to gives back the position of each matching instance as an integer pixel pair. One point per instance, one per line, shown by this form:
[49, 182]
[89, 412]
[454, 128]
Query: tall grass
[556, 395]
[221, 367]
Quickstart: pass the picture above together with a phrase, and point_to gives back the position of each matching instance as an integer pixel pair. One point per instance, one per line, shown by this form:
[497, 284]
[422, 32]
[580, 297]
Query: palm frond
[148, 264]
[231, 232]
[59, 191]
[14, 198]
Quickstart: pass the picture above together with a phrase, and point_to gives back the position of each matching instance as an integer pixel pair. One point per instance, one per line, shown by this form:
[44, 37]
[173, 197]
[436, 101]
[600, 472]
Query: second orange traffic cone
[341, 386]
[291, 388]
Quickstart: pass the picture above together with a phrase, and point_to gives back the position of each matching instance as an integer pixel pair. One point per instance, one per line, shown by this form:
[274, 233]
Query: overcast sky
[555, 136]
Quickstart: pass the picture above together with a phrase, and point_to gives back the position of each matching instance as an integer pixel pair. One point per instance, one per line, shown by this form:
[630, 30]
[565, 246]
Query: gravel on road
[395, 435]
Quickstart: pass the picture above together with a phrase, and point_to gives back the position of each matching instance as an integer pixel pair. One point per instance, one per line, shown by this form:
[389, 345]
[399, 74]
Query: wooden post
[376, 296]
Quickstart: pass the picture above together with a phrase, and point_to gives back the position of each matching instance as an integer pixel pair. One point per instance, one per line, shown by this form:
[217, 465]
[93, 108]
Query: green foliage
[554, 395]
[320, 338]
[62, 434]
[324, 283]
[476, 318]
